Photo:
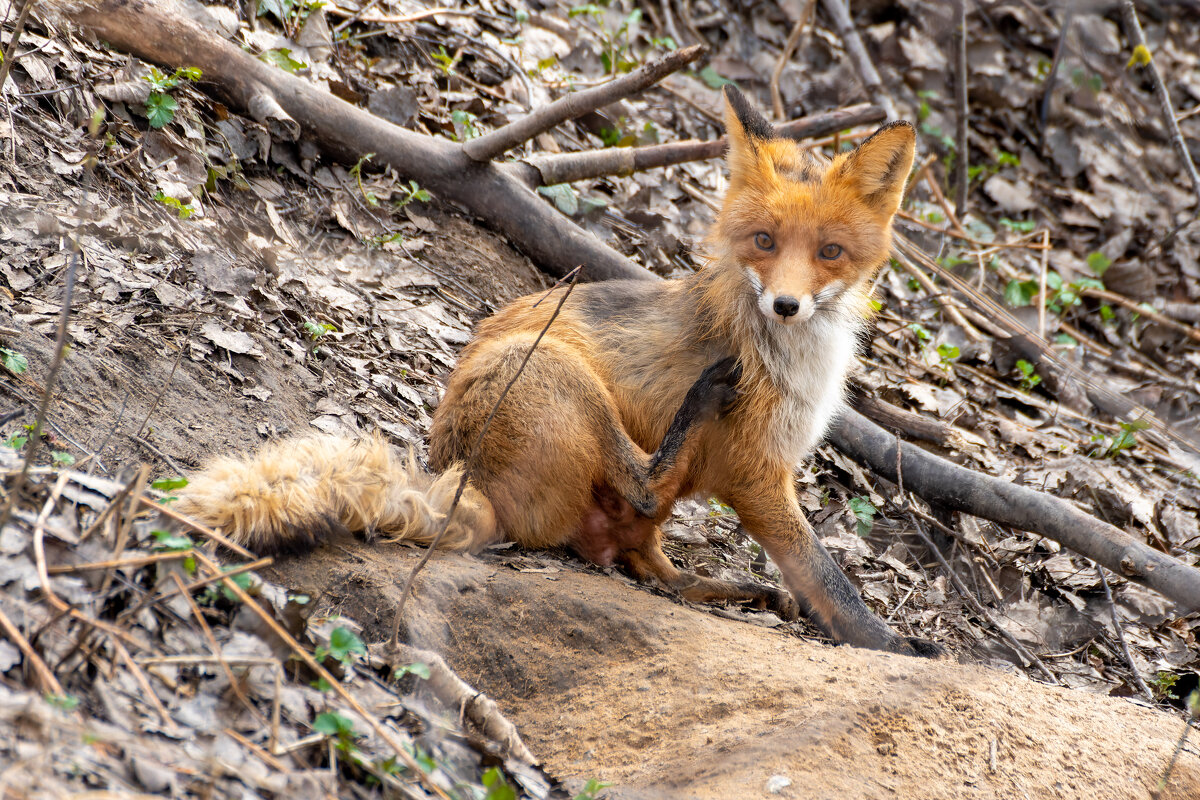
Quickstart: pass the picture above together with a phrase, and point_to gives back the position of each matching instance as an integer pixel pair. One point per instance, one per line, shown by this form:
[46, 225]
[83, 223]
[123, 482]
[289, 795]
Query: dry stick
[576, 104]
[382, 732]
[139, 675]
[941, 298]
[1042, 283]
[45, 676]
[135, 561]
[1148, 313]
[961, 158]
[556, 168]
[1133, 30]
[11, 52]
[217, 537]
[1112, 607]
[573, 278]
[839, 11]
[137, 486]
[789, 47]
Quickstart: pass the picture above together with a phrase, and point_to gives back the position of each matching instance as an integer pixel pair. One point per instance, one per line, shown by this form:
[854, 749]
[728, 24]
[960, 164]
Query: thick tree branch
[959, 489]
[576, 104]
[555, 168]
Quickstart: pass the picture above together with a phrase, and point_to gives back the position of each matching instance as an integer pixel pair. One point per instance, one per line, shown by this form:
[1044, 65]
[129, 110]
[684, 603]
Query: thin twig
[1112, 608]
[1133, 30]
[1145, 311]
[789, 47]
[961, 78]
[44, 675]
[393, 645]
[839, 10]
[941, 298]
[575, 104]
[1042, 283]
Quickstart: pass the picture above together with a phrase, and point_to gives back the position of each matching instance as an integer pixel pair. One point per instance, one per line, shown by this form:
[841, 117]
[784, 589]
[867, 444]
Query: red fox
[640, 393]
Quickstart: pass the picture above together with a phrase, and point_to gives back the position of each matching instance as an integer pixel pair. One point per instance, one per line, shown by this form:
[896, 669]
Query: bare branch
[569, 167]
[576, 104]
[961, 82]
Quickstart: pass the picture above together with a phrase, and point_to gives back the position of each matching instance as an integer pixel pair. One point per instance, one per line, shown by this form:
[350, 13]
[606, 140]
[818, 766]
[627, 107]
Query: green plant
[291, 14]
[337, 727]
[1163, 685]
[316, 330]
[61, 459]
[160, 106]
[1018, 226]
[1029, 376]
[14, 362]
[168, 485]
[1125, 440]
[444, 60]
[344, 646]
[497, 787]
[282, 57]
[947, 353]
[1059, 295]
[592, 789]
[464, 125]
[865, 512]
[183, 210]
[718, 509]
[213, 593]
[412, 192]
[63, 702]
[16, 441]
[417, 668]
[356, 171]
[167, 542]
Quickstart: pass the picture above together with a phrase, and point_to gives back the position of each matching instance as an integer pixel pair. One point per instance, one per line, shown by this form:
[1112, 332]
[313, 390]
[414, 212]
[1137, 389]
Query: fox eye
[764, 241]
[831, 251]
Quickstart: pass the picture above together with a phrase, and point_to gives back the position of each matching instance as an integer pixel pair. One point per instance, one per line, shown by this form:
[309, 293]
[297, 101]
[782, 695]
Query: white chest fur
[807, 365]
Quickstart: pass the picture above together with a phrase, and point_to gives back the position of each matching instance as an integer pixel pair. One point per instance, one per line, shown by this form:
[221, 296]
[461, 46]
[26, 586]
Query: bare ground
[614, 682]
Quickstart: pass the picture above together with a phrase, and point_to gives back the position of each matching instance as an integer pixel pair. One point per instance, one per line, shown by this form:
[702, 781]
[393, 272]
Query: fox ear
[879, 166]
[745, 128]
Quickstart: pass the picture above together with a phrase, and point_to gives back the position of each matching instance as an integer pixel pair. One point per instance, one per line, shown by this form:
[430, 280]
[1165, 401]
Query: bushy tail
[294, 493]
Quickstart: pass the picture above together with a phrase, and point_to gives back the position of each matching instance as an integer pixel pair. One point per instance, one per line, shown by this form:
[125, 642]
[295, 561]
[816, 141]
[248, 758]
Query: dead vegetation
[233, 282]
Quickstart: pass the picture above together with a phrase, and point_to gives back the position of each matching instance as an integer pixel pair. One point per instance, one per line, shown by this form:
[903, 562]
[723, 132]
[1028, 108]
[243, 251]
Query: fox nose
[786, 306]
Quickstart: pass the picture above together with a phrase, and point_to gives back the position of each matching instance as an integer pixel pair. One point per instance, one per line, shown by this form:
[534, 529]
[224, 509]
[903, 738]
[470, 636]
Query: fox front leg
[773, 516]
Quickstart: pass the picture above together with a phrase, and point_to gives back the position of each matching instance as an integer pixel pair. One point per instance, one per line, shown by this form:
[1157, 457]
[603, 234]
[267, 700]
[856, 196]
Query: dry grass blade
[42, 673]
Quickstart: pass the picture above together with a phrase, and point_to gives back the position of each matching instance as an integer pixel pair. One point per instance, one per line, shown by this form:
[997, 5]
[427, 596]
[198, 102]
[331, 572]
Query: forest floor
[229, 288]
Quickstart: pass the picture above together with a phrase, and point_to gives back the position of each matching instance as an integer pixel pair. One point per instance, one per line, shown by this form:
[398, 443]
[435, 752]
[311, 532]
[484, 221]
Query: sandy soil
[611, 681]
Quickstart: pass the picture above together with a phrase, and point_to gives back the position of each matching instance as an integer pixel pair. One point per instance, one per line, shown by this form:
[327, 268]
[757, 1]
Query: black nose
[787, 306]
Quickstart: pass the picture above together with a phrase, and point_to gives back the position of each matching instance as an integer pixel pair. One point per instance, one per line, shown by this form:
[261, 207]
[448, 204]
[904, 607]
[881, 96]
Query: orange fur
[584, 452]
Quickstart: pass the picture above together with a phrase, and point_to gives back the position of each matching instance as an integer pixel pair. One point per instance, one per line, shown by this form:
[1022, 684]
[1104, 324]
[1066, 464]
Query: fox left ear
[879, 167]
[745, 128]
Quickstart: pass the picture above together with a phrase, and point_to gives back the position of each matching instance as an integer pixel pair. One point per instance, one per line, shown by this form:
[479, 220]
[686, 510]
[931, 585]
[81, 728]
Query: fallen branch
[453, 692]
[576, 104]
[956, 488]
[785, 55]
[553, 168]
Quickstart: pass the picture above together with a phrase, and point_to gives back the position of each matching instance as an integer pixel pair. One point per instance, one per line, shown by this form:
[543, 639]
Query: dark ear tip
[753, 123]
[733, 94]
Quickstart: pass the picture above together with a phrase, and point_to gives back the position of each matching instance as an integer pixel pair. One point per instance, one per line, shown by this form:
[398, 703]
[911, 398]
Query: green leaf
[62, 459]
[344, 645]
[497, 787]
[63, 702]
[564, 197]
[160, 109]
[282, 57]
[166, 541]
[712, 78]
[1098, 262]
[1019, 294]
[189, 73]
[14, 362]
[864, 511]
[592, 788]
[1022, 226]
[416, 668]
[169, 484]
[921, 332]
[948, 352]
[16, 442]
[332, 723]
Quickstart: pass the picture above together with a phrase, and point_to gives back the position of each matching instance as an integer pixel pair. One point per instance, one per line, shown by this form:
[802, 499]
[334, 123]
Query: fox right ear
[745, 128]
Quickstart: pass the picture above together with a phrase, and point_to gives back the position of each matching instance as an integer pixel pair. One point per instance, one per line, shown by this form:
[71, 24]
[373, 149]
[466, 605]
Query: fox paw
[723, 377]
[923, 648]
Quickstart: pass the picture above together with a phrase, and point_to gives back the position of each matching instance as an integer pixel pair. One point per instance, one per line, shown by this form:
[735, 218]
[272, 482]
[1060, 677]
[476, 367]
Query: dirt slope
[611, 681]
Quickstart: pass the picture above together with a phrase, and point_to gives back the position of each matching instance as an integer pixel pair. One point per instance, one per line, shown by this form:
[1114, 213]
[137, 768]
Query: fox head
[804, 230]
